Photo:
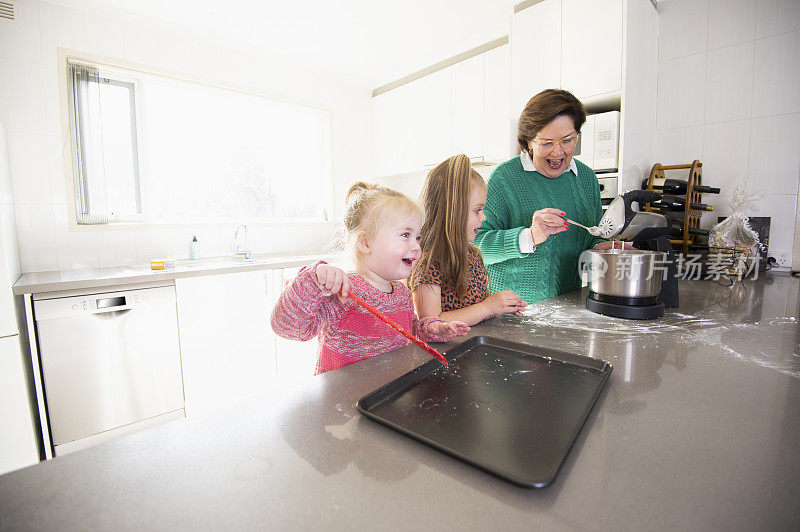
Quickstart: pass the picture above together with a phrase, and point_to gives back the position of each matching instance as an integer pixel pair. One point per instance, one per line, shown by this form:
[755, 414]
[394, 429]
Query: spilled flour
[764, 342]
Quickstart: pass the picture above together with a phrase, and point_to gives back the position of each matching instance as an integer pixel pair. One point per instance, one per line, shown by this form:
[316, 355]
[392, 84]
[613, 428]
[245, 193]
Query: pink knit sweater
[347, 333]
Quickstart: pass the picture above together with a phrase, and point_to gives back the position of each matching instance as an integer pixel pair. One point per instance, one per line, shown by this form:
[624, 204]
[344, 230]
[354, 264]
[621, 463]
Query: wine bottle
[674, 203]
[677, 229]
[676, 186]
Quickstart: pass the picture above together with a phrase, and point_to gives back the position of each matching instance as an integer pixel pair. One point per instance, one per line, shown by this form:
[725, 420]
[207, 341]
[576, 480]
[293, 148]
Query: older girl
[450, 280]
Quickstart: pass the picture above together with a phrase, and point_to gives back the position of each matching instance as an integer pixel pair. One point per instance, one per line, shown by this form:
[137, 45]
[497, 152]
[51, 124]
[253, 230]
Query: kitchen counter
[696, 430]
[80, 279]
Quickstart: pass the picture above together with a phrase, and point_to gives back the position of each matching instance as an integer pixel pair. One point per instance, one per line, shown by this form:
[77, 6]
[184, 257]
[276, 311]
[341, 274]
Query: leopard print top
[477, 282]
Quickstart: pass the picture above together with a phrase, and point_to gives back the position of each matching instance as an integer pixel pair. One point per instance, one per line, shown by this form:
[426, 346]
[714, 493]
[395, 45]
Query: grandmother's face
[553, 147]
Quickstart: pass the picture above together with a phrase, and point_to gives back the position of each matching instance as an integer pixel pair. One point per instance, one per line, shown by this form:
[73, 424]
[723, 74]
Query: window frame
[104, 63]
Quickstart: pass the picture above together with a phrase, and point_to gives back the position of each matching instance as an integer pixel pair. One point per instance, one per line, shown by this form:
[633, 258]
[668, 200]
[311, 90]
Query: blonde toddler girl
[382, 228]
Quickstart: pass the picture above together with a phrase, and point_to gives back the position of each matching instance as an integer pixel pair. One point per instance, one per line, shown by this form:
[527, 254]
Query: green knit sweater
[513, 196]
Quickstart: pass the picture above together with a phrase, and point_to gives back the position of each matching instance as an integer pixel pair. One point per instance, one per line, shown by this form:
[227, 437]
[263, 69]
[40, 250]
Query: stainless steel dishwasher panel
[108, 360]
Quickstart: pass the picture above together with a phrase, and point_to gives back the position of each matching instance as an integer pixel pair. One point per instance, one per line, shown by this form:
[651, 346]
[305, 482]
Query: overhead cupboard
[603, 51]
[571, 44]
[460, 108]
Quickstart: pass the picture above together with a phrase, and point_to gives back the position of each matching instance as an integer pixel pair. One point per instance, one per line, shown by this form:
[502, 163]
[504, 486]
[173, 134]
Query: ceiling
[373, 42]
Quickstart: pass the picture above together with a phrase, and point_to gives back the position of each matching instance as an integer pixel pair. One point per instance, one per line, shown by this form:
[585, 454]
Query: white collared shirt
[525, 238]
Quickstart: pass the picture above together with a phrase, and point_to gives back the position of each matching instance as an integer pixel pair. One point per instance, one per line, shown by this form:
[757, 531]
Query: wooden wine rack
[691, 218]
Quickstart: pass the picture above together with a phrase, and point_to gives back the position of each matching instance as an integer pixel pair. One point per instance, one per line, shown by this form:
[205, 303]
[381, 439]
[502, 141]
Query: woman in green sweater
[526, 244]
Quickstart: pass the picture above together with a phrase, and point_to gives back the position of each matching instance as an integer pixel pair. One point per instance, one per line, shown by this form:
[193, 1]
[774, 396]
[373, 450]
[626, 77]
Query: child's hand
[448, 329]
[505, 302]
[333, 280]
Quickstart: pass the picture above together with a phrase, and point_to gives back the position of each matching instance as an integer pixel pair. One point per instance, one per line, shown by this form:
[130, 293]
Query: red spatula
[390, 322]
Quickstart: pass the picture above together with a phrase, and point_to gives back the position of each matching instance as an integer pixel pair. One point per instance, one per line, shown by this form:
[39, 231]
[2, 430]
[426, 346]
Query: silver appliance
[110, 363]
[633, 284]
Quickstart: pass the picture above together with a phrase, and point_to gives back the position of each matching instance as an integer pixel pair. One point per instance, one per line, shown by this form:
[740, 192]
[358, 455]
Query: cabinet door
[499, 133]
[535, 52]
[591, 47]
[227, 347]
[294, 359]
[388, 133]
[433, 118]
[18, 446]
[468, 107]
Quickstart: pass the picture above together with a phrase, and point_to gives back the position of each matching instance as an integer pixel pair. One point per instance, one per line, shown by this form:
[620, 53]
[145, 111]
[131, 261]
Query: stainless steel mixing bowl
[629, 273]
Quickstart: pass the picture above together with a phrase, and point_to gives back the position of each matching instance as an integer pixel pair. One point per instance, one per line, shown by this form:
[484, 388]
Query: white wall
[729, 95]
[29, 109]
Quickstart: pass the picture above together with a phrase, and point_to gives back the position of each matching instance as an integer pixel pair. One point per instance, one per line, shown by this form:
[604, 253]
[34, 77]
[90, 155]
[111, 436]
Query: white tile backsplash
[686, 27]
[153, 244]
[21, 85]
[36, 237]
[750, 106]
[77, 248]
[21, 40]
[730, 22]
[60, 27]
[684, 103]
[774, 163]
[52, 101]
[116, 248]
[729, 85]
[104, 35]
[32, 161]
[781, 226]
[777, 75]
[777, 16]
[726, 148]
[679, 146]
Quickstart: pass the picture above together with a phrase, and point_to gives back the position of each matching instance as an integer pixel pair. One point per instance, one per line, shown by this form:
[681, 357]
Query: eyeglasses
[567, 143]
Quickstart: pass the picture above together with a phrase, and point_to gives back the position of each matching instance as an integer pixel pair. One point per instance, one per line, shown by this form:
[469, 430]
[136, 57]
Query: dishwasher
[110, 363]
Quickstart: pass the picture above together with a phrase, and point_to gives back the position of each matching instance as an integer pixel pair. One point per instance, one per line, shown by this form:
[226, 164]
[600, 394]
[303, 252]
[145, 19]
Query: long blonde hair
[445, 200]
[368, 208]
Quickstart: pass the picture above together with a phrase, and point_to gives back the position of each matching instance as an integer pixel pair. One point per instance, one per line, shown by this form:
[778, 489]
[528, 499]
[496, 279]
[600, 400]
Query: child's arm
[302, 308]
[428, 302]
[433, 329]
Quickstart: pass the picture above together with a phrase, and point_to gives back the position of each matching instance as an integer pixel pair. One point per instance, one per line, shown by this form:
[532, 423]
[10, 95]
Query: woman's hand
[448, 329]
[547, 222]
[611, 244]
[333, 280]
[505, 302]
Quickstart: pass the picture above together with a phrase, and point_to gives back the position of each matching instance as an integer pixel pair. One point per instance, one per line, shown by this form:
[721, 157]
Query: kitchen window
[161, 150]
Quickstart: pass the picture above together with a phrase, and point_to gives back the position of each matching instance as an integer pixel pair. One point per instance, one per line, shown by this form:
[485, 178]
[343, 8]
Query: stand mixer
[648, 288]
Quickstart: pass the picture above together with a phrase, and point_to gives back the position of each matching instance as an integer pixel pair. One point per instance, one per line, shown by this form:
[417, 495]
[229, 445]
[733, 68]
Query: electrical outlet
[784, 259]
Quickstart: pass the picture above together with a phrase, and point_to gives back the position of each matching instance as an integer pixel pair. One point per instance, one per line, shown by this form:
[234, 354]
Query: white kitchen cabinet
[499, 126]
[18, 447]
[591, 47]
[294, 359]
[457, 109]
[227, 344]
[535, 52]
[468, 107]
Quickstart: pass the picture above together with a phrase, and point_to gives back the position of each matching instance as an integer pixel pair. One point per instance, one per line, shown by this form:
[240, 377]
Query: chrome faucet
[240, 248]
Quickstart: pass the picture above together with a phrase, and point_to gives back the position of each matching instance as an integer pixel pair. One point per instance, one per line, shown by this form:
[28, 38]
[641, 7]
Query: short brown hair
[543, 109]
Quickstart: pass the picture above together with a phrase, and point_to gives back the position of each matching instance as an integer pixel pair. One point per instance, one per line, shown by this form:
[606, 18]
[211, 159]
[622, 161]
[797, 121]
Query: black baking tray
[511, 409]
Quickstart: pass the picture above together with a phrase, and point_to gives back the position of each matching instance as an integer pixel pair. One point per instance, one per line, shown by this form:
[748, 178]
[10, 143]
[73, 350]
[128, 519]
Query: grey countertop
[59, 280]
[696, 429]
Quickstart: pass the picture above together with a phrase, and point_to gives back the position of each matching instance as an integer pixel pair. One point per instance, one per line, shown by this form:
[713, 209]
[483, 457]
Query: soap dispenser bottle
[194, 249]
